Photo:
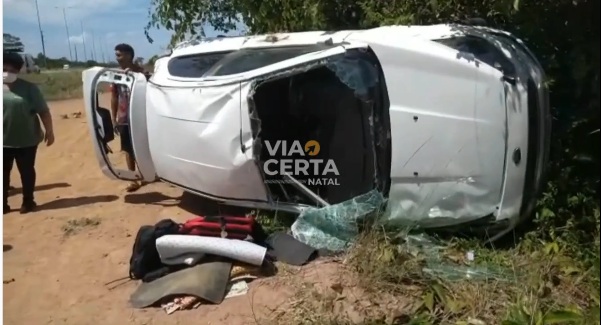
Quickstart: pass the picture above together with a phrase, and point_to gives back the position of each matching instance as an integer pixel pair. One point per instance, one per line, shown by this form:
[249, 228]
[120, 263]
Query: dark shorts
[125, 136]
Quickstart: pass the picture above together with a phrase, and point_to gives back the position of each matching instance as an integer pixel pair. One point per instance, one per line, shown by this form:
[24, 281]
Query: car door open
[96, 82]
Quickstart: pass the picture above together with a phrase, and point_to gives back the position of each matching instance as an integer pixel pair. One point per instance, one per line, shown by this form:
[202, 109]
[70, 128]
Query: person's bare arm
[46, 118]
[43, 112]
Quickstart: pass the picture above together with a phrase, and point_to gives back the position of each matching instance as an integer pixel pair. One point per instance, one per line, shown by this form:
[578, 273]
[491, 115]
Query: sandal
[133, 186]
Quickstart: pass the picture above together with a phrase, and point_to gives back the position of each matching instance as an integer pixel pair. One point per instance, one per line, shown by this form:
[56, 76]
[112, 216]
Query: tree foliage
[12, 43]
[564, 35]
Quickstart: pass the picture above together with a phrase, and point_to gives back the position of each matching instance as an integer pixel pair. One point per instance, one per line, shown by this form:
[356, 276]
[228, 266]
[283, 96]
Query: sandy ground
[60, 279]
[54, 278]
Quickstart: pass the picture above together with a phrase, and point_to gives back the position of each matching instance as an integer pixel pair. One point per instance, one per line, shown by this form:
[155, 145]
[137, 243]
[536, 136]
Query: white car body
[447, 137]
[29, 65]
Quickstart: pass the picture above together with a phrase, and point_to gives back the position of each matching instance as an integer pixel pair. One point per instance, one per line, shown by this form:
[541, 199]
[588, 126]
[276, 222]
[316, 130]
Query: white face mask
[9, 77]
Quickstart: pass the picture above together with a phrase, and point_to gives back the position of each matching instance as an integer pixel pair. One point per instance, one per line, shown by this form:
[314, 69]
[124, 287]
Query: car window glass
[518, 45]
[193, 66]
[251, 59]
[483, 50]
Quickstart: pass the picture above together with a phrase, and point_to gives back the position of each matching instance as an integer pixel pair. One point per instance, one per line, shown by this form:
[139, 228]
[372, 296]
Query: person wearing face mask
[23, 104]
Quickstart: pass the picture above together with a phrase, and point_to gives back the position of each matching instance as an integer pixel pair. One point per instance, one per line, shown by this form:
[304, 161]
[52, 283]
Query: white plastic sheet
[171, 246]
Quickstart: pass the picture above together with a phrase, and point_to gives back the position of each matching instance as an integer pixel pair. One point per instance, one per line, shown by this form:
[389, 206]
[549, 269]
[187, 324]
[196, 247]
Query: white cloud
[51, 11]
[80, 39]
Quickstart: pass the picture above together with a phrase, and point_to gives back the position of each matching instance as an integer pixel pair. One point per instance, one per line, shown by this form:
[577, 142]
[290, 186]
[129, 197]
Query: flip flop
[132, 187]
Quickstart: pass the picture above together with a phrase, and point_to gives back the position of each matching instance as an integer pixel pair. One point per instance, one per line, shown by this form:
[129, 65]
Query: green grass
[532, 283]
[58, 85]
[535, 281]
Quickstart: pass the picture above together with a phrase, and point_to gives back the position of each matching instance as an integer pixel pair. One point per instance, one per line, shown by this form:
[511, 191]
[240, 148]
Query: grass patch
[58, 85]
[75, 226]
[533, 283]
[461, 282]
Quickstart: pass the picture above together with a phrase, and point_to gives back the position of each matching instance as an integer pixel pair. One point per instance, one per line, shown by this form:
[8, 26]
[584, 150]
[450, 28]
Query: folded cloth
[237, 288]
[231, 227]
[181, 303]
[208, 281]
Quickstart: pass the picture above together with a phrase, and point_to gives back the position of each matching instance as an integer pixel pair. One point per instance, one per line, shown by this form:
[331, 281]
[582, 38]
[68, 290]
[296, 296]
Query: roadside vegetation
[548, 272]
[57, 84]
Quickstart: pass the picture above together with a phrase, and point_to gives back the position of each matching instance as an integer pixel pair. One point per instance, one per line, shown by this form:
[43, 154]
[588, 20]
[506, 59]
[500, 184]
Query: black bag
[145, 257]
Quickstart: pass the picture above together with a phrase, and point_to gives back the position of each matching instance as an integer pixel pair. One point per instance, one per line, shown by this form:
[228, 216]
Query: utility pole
[83, 40]
[67, 29]
[108, 56]
[94, 55]
[75, 48]
[37, 9]
[102, 51]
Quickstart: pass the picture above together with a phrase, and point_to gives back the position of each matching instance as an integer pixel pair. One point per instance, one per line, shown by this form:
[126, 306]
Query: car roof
[227, 44]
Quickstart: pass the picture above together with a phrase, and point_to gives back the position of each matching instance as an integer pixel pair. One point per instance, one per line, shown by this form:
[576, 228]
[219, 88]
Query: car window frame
[239, 54]
[488, 43]
[317, 47]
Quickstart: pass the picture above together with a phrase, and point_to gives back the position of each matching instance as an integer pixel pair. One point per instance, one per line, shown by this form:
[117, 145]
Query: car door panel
[100, 125]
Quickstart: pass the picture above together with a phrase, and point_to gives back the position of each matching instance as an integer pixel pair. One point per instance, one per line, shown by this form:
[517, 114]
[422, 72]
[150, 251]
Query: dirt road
[57, 262]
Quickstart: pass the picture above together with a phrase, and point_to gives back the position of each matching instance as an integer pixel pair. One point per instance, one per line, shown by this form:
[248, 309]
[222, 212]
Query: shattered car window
[483, 50]
[355, 74]
[250, 59]
[193, 66]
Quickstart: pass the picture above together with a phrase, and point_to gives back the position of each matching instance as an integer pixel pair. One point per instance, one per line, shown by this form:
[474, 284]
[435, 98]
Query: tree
[188, 16]
[12, 43]
[153, 59]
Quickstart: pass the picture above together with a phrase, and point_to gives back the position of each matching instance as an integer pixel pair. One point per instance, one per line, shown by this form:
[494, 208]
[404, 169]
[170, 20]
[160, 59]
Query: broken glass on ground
[335, 227]
[436, 266]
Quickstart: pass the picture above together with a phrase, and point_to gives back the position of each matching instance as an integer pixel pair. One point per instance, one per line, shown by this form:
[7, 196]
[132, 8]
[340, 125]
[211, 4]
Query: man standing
[124, 54]
[23, 103]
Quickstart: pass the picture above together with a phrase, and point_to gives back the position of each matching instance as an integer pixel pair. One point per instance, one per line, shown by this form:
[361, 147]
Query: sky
[101, 23]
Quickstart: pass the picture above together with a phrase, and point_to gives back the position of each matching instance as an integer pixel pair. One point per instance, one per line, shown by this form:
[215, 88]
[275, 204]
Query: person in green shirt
[23, 104]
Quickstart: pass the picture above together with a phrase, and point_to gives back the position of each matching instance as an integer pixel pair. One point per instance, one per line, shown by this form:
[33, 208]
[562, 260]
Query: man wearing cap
[23, 104]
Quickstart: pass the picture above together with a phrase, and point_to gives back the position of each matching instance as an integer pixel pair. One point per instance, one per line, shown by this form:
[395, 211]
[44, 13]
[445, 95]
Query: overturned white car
[450, 122]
